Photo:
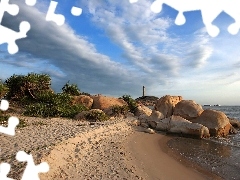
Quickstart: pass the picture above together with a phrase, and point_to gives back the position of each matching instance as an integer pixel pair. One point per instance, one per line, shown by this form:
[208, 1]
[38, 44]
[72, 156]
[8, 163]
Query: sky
[115, 47]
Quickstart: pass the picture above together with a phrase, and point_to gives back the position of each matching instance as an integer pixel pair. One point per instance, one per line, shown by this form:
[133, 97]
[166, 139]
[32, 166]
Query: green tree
[132, 104]
[71, 89]
[27, 86]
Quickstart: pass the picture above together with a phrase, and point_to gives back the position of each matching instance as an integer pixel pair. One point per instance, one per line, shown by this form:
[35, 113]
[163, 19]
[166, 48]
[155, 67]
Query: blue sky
[115, 47]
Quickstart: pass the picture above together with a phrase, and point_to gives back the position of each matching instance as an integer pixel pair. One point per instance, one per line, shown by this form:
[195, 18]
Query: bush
[132, 104]
[3, 89]
[71, 89]
[119, 110]
[27, 86]
[96, 116]
[53, 105]
[4, 121]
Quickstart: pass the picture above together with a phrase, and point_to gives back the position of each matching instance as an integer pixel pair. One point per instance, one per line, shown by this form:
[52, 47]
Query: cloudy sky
[115, 47]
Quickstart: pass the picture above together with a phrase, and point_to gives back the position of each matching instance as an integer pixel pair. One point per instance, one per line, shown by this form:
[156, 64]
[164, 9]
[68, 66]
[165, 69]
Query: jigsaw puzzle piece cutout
[4, 170]
[4, 105]
[12, 124]
[209, 10]
[133, 1]
[232, 9]
[11, 36]
[180, 19]
[31, 171]
[12, 9]
[30, 2]
[76, 11]
[208, 16]
[59, 19]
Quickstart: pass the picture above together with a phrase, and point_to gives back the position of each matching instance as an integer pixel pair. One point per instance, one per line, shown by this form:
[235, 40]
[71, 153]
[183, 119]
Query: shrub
[3, 89]
[132, 104]
[53, 105]
[96, 116]
[4, 121]
[119, 110]
[27, 86]
[71, 89]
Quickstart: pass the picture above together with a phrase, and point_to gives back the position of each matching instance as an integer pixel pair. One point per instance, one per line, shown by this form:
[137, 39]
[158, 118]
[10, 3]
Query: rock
[81, 115]
[177, 124]
[141, 109]
[181, 125]
[234, 122]
[152, 124]
[156, 116]
[164, 124]
[166, 104]
[147, 100]
[143, 118]
[104, 102]
[149, 130]
[233, 130]
[188, 109]
[83, 100]
[108, 111]
[135, 122]
[216, 121]
[145, 125]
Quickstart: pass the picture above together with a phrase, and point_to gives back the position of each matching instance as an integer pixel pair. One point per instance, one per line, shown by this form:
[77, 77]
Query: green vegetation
[95, 116]
[71, 89]
[53, 105]
[27, 87]
[132, 104]
[3, 89]
[119, 110]
[34, 93]
[4, 121]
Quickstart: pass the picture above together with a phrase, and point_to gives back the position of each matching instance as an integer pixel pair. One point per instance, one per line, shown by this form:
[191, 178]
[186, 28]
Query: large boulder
[177, 124]
[188, 109]
[155, 117]
[216, 121]
[83, 100]
[104, 102]
[142, 110]
[166, 104]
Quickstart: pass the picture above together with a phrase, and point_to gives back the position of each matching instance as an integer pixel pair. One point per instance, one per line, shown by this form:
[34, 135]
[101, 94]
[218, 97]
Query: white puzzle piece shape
[31, 171]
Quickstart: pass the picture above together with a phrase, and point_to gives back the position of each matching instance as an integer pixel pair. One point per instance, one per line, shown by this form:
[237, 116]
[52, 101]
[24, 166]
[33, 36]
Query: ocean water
[218, 155]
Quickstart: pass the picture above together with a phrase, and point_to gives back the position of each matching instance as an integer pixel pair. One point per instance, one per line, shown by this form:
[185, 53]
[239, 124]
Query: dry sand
[120, 152]
[109, 150]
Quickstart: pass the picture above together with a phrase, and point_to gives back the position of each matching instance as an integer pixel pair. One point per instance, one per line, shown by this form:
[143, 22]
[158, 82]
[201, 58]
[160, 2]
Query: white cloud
[154, 54]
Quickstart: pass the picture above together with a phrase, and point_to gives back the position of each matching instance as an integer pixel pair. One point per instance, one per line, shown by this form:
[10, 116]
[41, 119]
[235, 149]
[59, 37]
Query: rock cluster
[171, 114]
[175, 115]
[98, 103]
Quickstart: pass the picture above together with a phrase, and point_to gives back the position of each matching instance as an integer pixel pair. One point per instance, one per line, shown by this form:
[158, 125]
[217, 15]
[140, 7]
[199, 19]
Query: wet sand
[157, 161]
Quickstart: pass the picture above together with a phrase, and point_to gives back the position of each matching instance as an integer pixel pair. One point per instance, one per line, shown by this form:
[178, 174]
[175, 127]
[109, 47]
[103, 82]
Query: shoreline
[123, 153]
[158, 161]
[79, 150]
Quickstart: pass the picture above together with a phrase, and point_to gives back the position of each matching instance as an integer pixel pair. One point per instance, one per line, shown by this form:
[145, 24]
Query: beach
[158, 161]
[109, 150]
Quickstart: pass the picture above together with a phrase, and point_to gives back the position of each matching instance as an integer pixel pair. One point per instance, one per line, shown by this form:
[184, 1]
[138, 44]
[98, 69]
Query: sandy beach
[158, 161]
[120, 152]
[110, 150]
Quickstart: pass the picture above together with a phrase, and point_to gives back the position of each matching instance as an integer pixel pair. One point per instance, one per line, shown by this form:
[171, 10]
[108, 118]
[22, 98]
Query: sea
[221, 156]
